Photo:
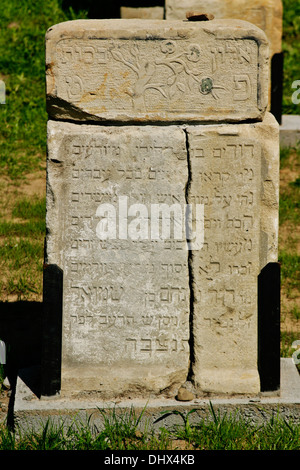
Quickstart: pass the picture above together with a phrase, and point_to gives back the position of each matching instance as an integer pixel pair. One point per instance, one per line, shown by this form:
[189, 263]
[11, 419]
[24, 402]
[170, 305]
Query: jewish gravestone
[159, 214]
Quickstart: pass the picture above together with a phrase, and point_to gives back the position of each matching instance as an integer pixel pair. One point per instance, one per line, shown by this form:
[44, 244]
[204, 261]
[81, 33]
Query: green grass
[291, 50]
[290, 269]
[22, 248]
[31, 213]
[21, 261]
[30, 208]
[123, 431]
[287, 339]
[231, 432]
[289, 204]
[289, 216]
[23, 118]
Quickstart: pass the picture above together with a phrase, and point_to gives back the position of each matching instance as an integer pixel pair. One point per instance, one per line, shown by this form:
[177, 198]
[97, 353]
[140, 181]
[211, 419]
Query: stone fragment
[145, 13]
[184, 395]
[156, 71]
[235, 174]
[6, 383]
[126, 291]
[195, 16]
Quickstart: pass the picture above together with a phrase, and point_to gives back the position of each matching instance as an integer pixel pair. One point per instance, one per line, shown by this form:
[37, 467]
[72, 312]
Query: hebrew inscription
[126, 300]
[127, 291]
[213, 72]
[162, 202]
[225, 273]
[230, 165]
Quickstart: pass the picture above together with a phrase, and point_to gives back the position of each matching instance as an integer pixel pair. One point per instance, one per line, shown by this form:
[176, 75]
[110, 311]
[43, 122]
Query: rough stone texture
[146, 13]
[235, 174]
[141, 314]
[126, 301]
[156, 70]
[266, 14]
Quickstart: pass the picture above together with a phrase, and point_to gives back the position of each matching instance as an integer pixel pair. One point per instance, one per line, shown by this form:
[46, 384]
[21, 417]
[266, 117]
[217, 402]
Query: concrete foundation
[28, 411]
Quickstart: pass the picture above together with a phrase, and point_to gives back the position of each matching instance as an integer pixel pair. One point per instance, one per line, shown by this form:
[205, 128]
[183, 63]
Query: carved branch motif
[183, 67]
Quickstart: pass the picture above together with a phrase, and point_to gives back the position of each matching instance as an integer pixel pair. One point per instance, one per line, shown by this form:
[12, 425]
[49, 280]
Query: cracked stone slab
[235, 174]
[126, 296]
[156, 71]
[133, 306]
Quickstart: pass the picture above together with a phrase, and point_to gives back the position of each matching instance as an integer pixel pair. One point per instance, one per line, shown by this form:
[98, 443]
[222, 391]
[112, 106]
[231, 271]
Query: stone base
[29, 410]
[290, 131]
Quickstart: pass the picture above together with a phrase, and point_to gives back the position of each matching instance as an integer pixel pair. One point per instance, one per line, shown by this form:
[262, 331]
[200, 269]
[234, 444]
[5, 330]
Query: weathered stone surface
[235, 174]
[266, 14]
[156, 71]
[132, 304]
[184, 395]
[146, 13]
[126, 298]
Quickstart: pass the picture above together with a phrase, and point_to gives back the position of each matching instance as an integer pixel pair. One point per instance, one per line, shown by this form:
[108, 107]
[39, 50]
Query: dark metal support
[269, 327]
[51, 330]
[276, 86]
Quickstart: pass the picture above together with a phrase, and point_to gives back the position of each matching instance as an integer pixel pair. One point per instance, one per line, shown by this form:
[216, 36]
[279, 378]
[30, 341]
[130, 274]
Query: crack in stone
[190, 262]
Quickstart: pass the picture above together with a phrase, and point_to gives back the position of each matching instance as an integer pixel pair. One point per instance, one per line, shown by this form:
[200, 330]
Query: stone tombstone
[162, 202]
[126, 295]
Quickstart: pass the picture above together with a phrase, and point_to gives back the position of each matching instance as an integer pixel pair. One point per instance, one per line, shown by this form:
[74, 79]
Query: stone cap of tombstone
[131, 70]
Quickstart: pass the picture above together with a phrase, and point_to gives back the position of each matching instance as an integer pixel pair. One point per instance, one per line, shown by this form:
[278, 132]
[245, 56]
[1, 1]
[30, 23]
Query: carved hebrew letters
[225, 272]
[125, 300]
[178, 71]
[198, 73]
[159, 214]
